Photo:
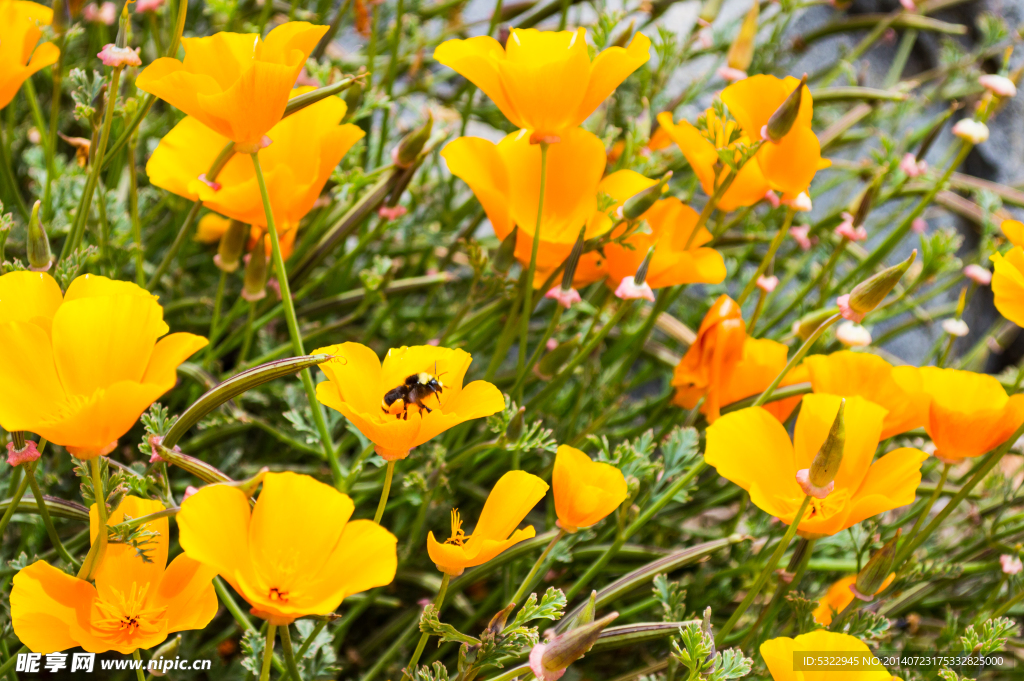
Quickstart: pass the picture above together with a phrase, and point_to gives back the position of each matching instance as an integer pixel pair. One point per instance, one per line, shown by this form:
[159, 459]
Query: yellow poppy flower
[752, 449]
[586, 491]
[295, 553]
[839, 596]
[236, 84]
[896, 389]
[970, 414]
[778, 654]
[669, 224]
[1008, 283]
[358, 385]
[513, 496]
[134, 605]
[19, 56]
[82, 367]
[790, 164]
[1014, 231]
[763, 359]
[308, 145]
[543, 81]
[750, 185]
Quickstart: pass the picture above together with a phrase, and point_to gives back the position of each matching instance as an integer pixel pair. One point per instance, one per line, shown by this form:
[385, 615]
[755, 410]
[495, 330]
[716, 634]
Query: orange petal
[186, 588]
[365, 557]
[1008, 283]
[213, 527]
[513, 496]
[26, 367]
[890, 483]
[50, 610]
[476, 60]
[609, 69]
[585, 491]
[863, 427]
[790, 164]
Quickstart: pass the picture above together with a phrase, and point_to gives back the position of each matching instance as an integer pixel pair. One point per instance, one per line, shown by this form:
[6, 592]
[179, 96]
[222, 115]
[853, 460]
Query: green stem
[1005, 607]
[8, 666]
[30, 475]
[268, 650]
[556, 316]
[218, 301]
[10, 178]
[796, 359]
[768, 569]
[524, 320]
[133, 212]
[931, 503]
[15, 500]
[247, 338]
[37, 114]
[768, 257]
[797, 566]
[179, 240]
[58, 79]
[293, 327]
[414, 660]
[528, 581]
[138, 670]
[289, 654]
[99, 544]
[389, 473]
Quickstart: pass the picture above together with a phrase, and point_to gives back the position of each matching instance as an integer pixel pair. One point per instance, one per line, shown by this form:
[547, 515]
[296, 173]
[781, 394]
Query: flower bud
[505, 254]
[405, 154]
[550, 363]
[515, 426]
[37, 244]
[807, 324]
[998, 85]
[548, 661]
[853, 335]
[569, 273]
[640, 203]
[123, 26]
[497, 623]
[255, 285]
[741, 52]
[709, 10]
[588, 612]
[782, 120]
[820, 479]
[232, 243]
[167, 651]
[879, 566]
[868, 294]
[971, 130]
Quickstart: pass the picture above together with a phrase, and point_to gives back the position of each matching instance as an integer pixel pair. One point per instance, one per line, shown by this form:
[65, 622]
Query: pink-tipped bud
[800, 234]
[728, 73]
[955, 327]
[848, 312]
[565, 298]
[853, 335]
[215, 186]
[1011, 565]
[28, 453]
[848, 231]
[772, 198]
[978, 274]
[912, 167]
[802, 203]
[919, 225]
[767, 284]
[908, 5]
[549, 660]
[971, 130]
[803, 478]
[392, 212]
[998, 85]
[629, 290]
[189, 491]
[111, 55]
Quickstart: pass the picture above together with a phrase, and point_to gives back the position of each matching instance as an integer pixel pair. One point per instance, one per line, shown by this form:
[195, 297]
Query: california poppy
[780, 654]
[295, 553]
[236, 84]
[20, 56]
[358, 386]
[969, 413]
[1008, 283]
[790, 164]
[1014, 231]
[586, 491]
[839, 596]
[752, 449]
[82, 367]
[897, 389]
[134, 605]
[543, 81]
[513, 496]
[308, 145]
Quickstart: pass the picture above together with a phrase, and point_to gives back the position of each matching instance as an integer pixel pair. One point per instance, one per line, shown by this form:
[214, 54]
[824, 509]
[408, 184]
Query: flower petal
[863, 428]
[890, 483]
[609, 69]
[50, 609]
[512, 498]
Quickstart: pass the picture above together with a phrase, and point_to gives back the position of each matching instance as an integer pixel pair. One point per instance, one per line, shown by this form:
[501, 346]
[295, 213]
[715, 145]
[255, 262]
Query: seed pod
[232, 243]
[167, 651]
[741, 52]
[548, 660]
[405, 154]
[830, 456]
[515, 425]
[782, 120]
[255, 285]
[868, 294]
[505, 253]
[641, 272]
[569, 273]
[877, 570]
[37, 244]
[638, 204]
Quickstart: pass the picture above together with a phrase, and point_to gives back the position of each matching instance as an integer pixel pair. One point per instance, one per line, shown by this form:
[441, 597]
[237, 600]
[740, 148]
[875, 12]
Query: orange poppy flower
[970, 414]
[543, 81]
[790, 164]
[839, 596]
[752, 449]
[19, 56]
[514, 495]
[750, 185]
[295, 553]
[780, 653]
[1008, 283]
[586, 491]
[82, 367]
[236, 84]
[1014, 231]
[357, 387]
[897, 389]
[308, 145]
[134, 605]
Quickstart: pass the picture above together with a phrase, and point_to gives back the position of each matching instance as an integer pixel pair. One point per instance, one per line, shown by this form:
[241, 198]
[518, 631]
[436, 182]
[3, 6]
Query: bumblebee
[414, 390]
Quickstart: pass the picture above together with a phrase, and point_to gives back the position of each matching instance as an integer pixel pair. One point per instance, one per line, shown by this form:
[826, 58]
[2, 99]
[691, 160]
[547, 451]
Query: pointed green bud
[38, 245]
[705, 628]
[819, 481]
[641, 272]
[868, 294]
[515, 425]
[807, 324]
[505, 254]
[168, 652]
[865, 204]
[741, 52]
[784, 117]
[232, 243]
[638, 204]
[353, 98]
[255, 285]
[588, 612]
[872, 576]
[709, 10]
[123, 26]
[405, 154]
[548, 660]
[552, 362]
[569, 273]
[497, 623]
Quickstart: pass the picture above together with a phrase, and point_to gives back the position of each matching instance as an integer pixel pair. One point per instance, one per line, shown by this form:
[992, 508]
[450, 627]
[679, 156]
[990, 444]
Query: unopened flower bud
[255, 285]
[405, 154]
[874, 573]
[978, 274]
[553, 361]
[354, 97]
[998, 85]
[709, 11]
[588, 612]
[573, 261]
[123, 26]
[1011, 565]
[781, 122]
[912, 167]
[548, 661]
[515, 425]
[497, 623]
[971, 130]
[641, 272]
[807, 324]
[820, 479]
[505, 254]
[628, 289]
[853, 335]
[564, 297]
[767, 283]
[741, 52]
[37, 244]
[955, 327]
[638, 204]
[232, 243]
[868, 294]
[167, 651]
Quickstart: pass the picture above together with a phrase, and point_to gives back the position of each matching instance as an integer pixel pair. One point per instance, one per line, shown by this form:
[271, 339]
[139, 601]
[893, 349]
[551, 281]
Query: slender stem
[179, 240]
[556, 316]
[796, 359]
[389, 473]
[268, 650]
[768, 569]
[99, 544]
[711, 205]
[37, 114]
[10, 178]
[58, 79]
[414, 660]
[776, 242]
[289, 654]
[30, 475]
[528, 581]
[931, 503]
[138, 669]
[15, 500]
[218, 301]
[293, 327]
[309, 639]
[249, 328]
[1005, 607]
[8, 666]
[133, 212]
[797, 566]
[524, 320]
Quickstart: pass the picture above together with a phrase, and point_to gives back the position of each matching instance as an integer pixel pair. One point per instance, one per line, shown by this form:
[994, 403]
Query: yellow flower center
[127, 614]
[278, 595]
[459, 536]
[829, 506]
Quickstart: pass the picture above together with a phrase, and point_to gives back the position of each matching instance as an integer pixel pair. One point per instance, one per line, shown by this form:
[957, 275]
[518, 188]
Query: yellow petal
[1014, 231]
[610, 68]
[476, 59]
[186, 588]
[863, 427]
[790, 164]
[513, 496]
[1008, 283]
[364, 557]
[168, 354]
[585, 491]
[50, 609]
[121, 565]
[29, 297]
[26, 367]
[213, 527]
[750, 445]
[477, 163]
[890, 483]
